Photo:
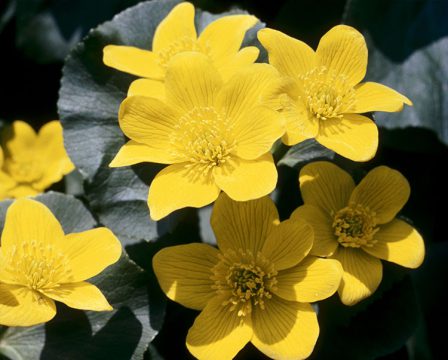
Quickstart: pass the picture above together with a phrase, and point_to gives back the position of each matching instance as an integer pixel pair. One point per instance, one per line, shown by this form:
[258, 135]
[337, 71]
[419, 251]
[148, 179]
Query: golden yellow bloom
[31, 162]
[257, 287]
[356, 224]
[220, 41]
[39, 264]
[326, 96]
[216, 135]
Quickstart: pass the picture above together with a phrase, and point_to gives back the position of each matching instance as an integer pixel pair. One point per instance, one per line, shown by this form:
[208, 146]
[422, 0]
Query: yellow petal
[362, 274]
[290, 56]
[90, 252]
[184, 273]
[384, 191]
[325, 186]
[192, 81]
[343, 50]
[79, 295]
[176, 187]
[149, 121]
[372, 96]
[246, 180]
[251, 86]
[243, 225]
[177, 25]
[19, 139]
[19, 306]
[217, 333]
[285, 329]
[400, 243]
[299, 124]
[325, 243]
[224, 36]
[29, 220]
[51, 151]
[134, 61]
[246, 56]
[314, 279]
[353, 136]
[133, 152]
[288, 243]
[22, 190]
[255, 138]
[147, 87]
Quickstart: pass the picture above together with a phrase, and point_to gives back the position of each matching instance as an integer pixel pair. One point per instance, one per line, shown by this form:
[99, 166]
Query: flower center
[246, 279]
[182, 44]
[327, 95]
[355, 226]
[205, 137]
[36, 266]
[23, 170]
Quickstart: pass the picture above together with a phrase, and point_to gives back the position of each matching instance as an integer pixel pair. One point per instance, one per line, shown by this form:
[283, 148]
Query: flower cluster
[205, 109]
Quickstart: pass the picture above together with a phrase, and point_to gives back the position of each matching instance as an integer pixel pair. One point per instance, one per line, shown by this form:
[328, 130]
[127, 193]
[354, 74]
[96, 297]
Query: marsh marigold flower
[326, 96]
[356, 224]
[32, 162]
[39, 264]
[216, 135]
[220, 41]
[256, 287]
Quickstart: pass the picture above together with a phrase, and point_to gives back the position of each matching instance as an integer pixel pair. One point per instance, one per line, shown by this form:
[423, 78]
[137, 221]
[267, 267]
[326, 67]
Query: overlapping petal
[354, 136]
[243, 225]
[326, 186]
[362, 274]
[184, 273]
[246, 180]
[82, 251]
[343, 50]
[176, 187]
[384, 191]
[218, 333]
[325, 242]
[79, 295]
[311, 280]
[285, 329]
[148, 87]
[400, 243]
[288, 243]
[290, 56]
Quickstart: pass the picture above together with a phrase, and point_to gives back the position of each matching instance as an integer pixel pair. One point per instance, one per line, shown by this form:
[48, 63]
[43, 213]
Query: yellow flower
[39, 264]
[215, 135]
[356, 224]
[220, 41]
[257, 287]
[326, 94]
[31, 162]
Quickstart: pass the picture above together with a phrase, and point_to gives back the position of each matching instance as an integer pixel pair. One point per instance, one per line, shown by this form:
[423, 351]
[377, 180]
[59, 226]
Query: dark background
[31, 60]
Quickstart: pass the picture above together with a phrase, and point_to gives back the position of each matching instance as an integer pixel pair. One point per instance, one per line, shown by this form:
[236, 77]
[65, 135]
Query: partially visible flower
[257, 287]
[40, 264]
[220, 41]
[356, 224]
[216, 135]
[32, 162]
[326, 96]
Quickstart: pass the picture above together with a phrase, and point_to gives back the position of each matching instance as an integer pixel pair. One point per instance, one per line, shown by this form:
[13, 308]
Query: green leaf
[7, 14]
[124, 333]
[89, 99]
[408, 53]
[306, 151]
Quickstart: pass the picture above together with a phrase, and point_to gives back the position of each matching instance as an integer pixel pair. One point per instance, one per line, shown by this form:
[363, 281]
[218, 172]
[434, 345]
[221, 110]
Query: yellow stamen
[182, 44]
[206, 137]
[247, 280]
[355, 226]
[327, 95]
